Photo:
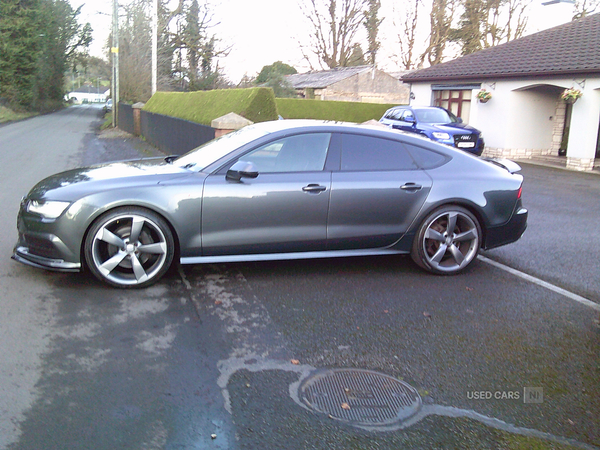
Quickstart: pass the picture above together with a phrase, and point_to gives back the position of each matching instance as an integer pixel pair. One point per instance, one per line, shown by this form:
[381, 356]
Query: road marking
[552, 287]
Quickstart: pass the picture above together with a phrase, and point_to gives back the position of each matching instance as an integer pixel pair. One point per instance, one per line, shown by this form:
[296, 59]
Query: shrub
[257, 104]
[330, 110]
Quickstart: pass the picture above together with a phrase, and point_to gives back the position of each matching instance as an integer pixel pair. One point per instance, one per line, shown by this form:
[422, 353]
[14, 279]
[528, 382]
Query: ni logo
[533, 395]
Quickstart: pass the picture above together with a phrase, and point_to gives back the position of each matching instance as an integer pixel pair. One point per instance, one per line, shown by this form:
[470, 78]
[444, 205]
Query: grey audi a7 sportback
[274, 190]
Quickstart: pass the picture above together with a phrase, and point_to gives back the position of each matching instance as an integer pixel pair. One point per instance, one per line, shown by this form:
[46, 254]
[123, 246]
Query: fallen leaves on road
[295, 362]
[345, 406]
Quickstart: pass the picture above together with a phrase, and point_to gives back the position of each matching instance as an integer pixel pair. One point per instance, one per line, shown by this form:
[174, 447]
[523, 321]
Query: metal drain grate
[362, 397]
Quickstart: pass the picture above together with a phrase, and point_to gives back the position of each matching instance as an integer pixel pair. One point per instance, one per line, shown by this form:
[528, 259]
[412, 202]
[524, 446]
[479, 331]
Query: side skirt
[289, 256]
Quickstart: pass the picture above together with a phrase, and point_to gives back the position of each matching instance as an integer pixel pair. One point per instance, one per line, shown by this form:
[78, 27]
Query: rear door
[375, 195]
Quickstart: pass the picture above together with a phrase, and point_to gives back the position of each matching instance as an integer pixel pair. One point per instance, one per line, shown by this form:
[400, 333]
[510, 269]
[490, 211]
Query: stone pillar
[583, 134]
[137, 118]
[228, 123]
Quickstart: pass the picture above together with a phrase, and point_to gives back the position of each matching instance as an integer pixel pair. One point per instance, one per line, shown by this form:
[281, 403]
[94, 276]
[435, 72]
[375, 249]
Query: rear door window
[368, 153]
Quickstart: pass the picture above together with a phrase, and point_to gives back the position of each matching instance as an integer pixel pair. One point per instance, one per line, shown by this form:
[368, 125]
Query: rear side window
[367, 153]
[394, 114]
[425, 158]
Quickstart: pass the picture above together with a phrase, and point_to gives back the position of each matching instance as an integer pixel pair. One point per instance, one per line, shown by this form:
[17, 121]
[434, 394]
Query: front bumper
[23, 255]
[51, 245]
[511, 231]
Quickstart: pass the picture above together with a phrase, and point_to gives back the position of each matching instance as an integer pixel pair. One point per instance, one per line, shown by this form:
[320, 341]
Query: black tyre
[447, 241]
[129, 248]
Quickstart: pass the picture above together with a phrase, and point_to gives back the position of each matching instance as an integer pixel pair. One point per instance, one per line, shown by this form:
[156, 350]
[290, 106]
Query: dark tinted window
[425, 158]
[367, 153]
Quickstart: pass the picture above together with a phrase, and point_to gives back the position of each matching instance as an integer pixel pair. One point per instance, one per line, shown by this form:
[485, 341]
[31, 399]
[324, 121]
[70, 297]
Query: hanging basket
[484, 96]
[570, 96]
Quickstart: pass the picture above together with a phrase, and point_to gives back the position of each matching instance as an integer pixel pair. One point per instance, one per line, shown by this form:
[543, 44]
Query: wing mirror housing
[241, 169]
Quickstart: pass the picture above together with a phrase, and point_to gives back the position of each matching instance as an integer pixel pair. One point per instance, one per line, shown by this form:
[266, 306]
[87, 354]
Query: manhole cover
[361, 397]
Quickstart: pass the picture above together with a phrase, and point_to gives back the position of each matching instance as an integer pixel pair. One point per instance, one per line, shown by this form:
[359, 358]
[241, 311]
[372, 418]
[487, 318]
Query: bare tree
[442, 14]
[334, 24]
[517, 18]
[585, 7]
[407, 32]
[486, 23]
[372, 23]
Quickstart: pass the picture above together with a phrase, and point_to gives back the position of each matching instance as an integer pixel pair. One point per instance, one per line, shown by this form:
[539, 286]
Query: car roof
[283, 127]
[414, 107]
[319, 125]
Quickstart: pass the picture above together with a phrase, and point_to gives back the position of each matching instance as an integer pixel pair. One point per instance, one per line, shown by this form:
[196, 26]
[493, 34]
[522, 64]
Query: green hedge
[290, 108]
[257, 104]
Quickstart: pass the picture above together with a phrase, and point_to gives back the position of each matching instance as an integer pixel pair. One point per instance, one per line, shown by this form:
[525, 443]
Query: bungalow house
[89, 94]
[350, 84]
[526, 115]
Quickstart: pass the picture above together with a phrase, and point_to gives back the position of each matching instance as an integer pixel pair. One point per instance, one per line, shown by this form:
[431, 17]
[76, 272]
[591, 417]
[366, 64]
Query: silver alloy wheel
[448, 241]
[129, 249]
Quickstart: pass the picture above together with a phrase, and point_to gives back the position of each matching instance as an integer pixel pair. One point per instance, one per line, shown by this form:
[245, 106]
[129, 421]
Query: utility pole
[154, 46]
[115, 62]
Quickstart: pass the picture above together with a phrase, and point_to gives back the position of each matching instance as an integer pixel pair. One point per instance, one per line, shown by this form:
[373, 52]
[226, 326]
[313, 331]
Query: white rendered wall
[519, 120]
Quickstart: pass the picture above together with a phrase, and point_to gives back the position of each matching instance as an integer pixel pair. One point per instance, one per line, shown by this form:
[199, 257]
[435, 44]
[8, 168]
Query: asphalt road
[213, 356]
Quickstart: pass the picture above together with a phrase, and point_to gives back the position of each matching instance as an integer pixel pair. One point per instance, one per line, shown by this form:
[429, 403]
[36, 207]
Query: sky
[260, 32]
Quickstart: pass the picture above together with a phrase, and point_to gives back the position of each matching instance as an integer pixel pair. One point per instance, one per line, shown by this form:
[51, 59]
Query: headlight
[439, 135]
[48, 210]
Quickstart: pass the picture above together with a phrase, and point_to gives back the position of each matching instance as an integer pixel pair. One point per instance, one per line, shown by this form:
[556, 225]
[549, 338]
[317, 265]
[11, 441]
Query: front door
[284, 209]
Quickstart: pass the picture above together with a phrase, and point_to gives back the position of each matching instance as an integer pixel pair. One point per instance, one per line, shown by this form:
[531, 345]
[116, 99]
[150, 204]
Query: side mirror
[241, 169]
[410, 119]
[459, 120]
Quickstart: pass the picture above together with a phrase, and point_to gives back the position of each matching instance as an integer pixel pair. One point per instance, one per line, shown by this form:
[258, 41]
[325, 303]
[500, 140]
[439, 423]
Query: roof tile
[572, 48]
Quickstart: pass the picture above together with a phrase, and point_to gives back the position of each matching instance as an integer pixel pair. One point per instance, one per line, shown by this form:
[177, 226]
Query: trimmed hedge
[257, 104]
[291, 108]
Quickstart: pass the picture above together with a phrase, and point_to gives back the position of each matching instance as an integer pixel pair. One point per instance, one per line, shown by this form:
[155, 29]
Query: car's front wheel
[129, 247]
[447, 241]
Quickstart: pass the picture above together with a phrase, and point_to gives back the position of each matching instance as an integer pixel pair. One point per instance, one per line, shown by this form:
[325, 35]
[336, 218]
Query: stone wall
[580, 164]
[369, 87]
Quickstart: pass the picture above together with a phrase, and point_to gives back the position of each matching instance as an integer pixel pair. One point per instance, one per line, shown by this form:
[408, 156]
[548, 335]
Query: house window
[456, 101]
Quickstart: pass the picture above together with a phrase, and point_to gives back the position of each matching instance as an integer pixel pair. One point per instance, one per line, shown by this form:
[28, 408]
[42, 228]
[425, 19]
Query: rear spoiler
[507, 164]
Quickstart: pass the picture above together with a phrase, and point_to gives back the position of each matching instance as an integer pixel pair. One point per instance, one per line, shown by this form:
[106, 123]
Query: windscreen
[206, 154]
[435, 115]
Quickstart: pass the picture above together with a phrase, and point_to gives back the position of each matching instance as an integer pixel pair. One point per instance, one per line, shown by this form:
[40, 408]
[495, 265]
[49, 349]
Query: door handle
[411, 187]
[314, 188]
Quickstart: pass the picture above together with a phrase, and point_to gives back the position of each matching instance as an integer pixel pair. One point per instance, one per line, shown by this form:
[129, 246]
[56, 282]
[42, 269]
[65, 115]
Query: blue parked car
[438, 124]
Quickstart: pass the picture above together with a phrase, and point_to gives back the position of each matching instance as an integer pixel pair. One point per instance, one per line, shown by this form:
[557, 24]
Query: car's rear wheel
[129, 248]
[447, 241]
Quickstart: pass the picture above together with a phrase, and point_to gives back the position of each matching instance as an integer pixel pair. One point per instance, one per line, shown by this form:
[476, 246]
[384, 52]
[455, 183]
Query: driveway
[220, 356]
